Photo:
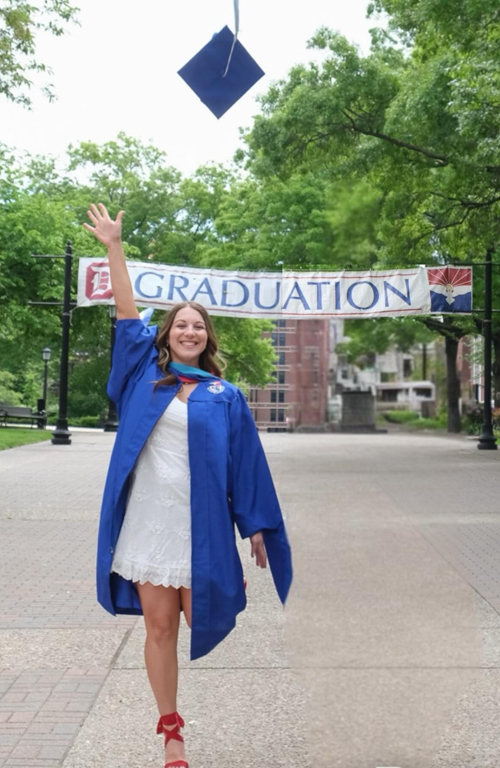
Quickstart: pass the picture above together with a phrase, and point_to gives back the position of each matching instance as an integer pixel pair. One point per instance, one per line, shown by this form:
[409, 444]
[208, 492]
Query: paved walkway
[388, 653]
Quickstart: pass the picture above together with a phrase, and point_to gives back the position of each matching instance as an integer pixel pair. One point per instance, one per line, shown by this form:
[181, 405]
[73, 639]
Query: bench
[21, 412]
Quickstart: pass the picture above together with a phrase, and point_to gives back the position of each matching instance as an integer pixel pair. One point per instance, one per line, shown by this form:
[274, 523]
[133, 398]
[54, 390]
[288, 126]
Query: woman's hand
[105, 229]
[258, 549]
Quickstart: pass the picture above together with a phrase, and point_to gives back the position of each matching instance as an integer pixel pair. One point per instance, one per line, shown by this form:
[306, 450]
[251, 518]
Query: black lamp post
[487, 440]
[61, 435]
[111, 424]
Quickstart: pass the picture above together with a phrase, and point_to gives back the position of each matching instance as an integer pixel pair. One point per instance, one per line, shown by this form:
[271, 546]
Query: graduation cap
[222, 71]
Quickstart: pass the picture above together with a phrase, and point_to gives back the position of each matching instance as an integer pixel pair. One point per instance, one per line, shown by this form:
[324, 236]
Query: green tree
[30, 223]
[20, 22]
[127, 174]
[249, 358]
[8, 393]
[370, 337]
[404, 136]
[167, 217]
[173, 220]
[269, 225]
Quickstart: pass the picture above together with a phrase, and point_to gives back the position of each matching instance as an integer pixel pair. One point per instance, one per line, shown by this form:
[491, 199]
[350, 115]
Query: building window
[281, 377]
[273, 395]
[273, 414]
[281, 358]
[421, 392]
[282, 323]
[251, 395]
[282, 339]
[389, 395]
[274, 339]
[281, 414]
[281, 396]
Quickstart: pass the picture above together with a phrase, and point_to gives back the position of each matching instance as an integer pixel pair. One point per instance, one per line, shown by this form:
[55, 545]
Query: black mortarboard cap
[204, 73]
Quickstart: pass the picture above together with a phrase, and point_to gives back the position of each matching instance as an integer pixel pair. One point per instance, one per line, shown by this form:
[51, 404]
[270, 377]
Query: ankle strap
[172, 733]
[172, 719]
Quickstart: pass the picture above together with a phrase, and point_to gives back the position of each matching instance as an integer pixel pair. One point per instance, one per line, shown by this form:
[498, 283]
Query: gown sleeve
[253, 501]
[133, 344]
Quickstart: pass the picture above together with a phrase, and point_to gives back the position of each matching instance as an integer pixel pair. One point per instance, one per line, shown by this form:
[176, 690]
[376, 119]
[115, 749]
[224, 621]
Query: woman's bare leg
[161, 608]
[186, 604]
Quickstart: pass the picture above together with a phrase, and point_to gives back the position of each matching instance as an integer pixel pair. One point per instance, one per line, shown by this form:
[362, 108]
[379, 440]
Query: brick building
[298, 396]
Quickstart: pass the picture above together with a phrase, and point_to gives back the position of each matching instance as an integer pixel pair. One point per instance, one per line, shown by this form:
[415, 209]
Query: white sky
[118, 72]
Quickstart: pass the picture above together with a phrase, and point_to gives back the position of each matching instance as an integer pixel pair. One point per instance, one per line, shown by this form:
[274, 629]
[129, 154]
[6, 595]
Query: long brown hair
[209, 360]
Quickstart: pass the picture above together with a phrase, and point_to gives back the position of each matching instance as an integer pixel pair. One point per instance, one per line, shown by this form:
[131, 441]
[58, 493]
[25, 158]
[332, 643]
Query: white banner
[285, 294]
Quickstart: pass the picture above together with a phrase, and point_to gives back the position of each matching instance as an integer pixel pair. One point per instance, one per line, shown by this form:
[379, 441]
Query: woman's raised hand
[105, 229]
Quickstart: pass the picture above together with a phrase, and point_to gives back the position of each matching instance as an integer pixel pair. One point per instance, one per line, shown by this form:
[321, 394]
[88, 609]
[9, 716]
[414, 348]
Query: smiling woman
[187, 468]
[188, 337]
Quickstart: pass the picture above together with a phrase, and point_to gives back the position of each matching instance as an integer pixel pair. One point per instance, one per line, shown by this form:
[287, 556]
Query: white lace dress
[154, 544]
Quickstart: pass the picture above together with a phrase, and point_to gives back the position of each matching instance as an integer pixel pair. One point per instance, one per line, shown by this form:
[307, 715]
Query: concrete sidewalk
[386, 655]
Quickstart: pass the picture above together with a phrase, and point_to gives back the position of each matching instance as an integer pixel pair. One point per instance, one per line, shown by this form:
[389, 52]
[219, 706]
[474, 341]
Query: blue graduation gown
[230, 484]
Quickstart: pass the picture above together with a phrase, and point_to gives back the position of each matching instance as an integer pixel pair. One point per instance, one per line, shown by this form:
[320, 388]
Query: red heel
[172, 733]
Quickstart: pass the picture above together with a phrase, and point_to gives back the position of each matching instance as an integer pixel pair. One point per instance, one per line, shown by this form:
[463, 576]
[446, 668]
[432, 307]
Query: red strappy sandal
[172, 733]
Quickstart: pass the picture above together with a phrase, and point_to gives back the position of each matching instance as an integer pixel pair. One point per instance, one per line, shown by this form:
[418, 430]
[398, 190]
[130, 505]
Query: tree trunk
[496, 366]
[452, 384]
[452, 332]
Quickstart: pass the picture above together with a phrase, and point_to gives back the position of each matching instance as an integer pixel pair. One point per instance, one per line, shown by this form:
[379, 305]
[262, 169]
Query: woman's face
[187, 337]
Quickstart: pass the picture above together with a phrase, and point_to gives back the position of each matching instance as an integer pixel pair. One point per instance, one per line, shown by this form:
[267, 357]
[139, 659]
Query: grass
[12, 437]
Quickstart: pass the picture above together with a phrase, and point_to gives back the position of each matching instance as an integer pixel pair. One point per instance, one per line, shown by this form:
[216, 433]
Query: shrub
[429, 423]
[87, 421]
[413, 419]
[473, 421]
[401, 417]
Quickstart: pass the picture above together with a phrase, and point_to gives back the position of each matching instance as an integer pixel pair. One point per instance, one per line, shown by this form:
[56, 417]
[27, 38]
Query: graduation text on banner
[395, 293]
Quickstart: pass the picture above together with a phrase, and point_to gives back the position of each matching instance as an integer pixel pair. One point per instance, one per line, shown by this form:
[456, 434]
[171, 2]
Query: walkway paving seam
[49, 616]
[394, 538]
[42, 711]
[472, 548]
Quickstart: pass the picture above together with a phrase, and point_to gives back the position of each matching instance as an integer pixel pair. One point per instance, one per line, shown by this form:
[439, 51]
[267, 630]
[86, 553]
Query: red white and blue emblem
[216, 388]
[451, 289]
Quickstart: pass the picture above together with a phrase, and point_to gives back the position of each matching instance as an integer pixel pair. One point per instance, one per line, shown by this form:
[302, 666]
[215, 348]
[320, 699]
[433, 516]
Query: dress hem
[132, 573]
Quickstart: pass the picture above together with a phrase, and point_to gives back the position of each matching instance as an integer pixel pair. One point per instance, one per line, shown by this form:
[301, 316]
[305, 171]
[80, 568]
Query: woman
[187, 466]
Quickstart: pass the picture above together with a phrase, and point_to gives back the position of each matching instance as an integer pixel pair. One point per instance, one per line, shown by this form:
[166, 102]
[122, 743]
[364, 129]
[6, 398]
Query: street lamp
[111, 424]
[45, 357]
[42, 406]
